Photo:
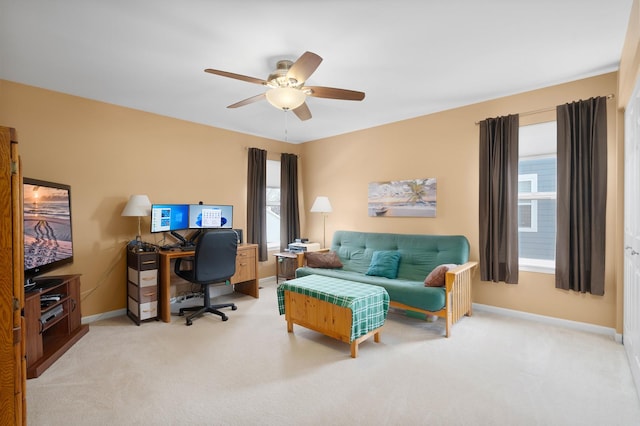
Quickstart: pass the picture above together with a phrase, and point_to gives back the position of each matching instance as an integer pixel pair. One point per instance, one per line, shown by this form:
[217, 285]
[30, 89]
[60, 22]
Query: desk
[245, 280]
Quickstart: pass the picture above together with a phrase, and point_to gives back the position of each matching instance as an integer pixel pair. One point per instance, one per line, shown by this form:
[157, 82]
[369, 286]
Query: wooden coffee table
[345, 310]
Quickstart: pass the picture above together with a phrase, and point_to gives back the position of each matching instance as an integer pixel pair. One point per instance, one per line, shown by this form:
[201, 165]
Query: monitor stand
[193, 237]
[183, 241]
[187, 243]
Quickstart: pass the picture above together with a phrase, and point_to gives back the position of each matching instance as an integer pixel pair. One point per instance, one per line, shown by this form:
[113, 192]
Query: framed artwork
[409, 198]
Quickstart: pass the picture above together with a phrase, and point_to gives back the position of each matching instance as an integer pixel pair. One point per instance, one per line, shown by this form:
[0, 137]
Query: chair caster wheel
[234, 307]
[189, 322]
[224, 318]
[180, 313]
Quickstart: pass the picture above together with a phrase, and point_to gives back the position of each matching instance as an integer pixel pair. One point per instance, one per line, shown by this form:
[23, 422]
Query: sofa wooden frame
[457, 289]
[458, 297]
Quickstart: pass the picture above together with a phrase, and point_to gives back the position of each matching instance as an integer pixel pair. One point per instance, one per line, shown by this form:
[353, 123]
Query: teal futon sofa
[401, 264]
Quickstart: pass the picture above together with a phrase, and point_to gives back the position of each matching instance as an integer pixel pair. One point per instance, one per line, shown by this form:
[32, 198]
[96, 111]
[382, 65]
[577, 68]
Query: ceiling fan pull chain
[286, 134]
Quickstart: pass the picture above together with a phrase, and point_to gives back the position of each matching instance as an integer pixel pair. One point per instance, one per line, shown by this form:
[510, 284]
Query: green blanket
[369, 304]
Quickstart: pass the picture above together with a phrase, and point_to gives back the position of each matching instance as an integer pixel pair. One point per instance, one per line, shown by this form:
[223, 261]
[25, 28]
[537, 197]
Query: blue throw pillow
[384, 264]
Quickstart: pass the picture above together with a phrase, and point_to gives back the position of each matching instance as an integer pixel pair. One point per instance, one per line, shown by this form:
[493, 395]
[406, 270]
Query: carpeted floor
[494, 370]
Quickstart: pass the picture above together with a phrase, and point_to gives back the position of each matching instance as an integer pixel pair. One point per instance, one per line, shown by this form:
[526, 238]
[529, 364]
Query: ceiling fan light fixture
[285, 98]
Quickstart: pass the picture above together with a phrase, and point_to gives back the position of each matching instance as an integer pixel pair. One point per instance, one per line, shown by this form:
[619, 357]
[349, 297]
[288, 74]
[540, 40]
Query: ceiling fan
[286, 86]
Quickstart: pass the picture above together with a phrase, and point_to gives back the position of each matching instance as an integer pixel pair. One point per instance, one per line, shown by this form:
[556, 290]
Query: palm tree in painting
[417, 191]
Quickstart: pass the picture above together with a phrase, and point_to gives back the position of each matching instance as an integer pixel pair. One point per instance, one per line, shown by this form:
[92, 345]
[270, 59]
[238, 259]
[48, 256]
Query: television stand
[42, 283]
[53, 326]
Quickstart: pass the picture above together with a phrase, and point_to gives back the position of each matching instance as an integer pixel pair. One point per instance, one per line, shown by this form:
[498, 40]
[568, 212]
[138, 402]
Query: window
[273, 205]
[537, 197]
[527, 207]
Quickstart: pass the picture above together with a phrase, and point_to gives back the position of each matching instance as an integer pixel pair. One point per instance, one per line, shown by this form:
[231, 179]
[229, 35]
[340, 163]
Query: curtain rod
[541, 110]
[246, 148]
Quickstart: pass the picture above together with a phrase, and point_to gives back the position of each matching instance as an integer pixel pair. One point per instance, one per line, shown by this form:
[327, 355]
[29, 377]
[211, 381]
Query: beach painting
[408, 198]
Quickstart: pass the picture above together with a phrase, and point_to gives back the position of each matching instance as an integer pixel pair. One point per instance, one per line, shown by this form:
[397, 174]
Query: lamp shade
[138, 205]
[285, 97]
[321, 205]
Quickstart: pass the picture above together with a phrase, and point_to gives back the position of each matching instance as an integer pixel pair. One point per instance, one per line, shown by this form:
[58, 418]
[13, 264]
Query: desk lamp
[322, 205]
[138, 206]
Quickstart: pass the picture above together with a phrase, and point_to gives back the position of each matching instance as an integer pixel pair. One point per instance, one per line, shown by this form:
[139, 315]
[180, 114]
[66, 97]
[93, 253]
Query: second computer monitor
[209, 216]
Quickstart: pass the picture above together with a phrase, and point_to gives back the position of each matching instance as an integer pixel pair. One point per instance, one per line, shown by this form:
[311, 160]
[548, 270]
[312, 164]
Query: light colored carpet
[494, 370]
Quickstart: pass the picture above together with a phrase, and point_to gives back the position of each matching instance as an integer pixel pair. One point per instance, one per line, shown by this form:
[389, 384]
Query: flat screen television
[169, 217]
[210, 216]
[48, 242]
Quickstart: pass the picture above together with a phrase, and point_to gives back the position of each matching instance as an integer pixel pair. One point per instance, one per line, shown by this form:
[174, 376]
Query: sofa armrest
[453, 273]
[458, 293]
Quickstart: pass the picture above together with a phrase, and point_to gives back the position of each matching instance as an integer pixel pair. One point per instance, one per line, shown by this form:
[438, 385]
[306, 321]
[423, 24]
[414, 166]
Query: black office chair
[214, 262]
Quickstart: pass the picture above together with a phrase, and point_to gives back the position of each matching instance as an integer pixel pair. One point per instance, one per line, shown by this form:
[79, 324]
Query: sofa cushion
[420, 253]
[329, 260]
[410, 293]
[436, 278]
[384, 263]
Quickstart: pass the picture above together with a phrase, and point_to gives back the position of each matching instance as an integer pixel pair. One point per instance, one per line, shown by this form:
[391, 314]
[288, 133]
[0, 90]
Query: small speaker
[240, 239]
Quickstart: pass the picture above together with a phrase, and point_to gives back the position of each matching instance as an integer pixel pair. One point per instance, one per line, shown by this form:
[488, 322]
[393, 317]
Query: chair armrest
[178, 262]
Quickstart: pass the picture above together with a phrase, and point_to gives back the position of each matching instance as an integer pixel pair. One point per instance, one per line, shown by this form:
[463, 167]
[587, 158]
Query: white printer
[301, 247]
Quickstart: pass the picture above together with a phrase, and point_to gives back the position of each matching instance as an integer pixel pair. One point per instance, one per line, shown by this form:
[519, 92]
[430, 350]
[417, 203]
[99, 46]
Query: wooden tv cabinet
[48, 338]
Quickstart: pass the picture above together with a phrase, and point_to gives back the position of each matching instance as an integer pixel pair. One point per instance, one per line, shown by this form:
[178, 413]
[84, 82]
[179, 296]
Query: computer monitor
[169, 217]
[210, 216]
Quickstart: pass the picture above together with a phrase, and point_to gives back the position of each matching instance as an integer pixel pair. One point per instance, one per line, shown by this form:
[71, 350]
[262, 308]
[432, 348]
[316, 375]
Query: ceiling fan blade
[236, 76]
[333, 93]
[304, 67]
[248, 101]
[302, 112]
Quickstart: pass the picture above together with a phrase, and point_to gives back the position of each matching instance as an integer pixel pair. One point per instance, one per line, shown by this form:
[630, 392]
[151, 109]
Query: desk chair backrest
[215, 257]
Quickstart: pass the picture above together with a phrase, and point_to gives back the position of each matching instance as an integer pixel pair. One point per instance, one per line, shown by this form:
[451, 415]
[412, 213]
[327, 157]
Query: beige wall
[445, 146]
[630, 57]
[106, 153]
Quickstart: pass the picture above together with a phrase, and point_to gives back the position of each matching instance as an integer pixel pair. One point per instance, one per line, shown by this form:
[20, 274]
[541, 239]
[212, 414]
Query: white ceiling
[410, 57]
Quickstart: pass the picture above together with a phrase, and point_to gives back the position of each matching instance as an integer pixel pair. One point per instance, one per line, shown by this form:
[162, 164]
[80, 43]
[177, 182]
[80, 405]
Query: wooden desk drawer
[245, 254]
[245, 270]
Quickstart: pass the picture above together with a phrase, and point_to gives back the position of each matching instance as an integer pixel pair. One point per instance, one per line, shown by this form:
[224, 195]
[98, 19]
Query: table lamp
[322, 205]
[137, 206]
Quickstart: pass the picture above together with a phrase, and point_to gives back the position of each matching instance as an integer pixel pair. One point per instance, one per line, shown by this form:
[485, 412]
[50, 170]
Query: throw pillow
[384, 264]
[436, 277]
[328, 260]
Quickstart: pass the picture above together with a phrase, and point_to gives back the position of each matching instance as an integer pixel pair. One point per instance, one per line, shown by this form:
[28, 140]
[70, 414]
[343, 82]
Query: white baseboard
[104, 315]
[582, 326]
[119, 312]
[575, 325]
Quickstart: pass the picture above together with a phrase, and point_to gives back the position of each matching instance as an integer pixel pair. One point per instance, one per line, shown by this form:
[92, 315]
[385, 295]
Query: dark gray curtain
[582, 195]
[499, 199]
[289, 213]
[257, 201]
